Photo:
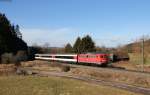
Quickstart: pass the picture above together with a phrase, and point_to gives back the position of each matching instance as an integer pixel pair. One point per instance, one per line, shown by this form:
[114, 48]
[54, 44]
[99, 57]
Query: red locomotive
[100, 59]
[89, 58]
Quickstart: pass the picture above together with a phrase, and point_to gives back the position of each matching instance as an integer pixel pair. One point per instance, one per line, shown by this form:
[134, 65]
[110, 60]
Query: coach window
[65, 57]
[105, 56]
[82, 56]
[92, 56]
[47, 56]
[86, 56]
[36, 55]
[101, 56]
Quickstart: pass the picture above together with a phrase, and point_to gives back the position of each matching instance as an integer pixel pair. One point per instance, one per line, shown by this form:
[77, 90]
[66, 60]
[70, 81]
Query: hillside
[134, 50]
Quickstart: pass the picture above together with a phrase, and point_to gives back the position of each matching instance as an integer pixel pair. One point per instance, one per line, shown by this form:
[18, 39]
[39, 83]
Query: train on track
[100, 59]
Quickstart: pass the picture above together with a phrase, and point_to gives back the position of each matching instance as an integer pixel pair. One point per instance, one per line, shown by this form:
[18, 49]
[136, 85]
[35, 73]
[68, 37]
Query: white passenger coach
[57, 57]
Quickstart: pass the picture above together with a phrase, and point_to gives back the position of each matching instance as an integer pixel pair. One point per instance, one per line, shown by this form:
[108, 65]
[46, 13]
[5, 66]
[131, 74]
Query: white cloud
[55, 37]
[112, 40]
[59, 37]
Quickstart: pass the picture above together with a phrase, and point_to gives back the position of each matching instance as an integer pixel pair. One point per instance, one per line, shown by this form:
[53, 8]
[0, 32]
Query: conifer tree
[87, 44]
[77, 47]
[68, 48]
[9, 40]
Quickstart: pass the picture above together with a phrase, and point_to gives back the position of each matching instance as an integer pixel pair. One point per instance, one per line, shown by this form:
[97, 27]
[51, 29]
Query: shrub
[21, 56]
[65, 68]
[7, 58]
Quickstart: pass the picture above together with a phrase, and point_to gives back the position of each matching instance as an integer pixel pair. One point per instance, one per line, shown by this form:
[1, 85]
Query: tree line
[10, 39]
[81, 45]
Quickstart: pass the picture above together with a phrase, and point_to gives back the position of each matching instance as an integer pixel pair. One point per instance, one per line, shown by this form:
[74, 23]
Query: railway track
[109, 68]
[135, 89]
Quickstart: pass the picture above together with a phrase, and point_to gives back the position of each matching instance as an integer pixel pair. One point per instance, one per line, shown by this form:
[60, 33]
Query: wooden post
[143, 60]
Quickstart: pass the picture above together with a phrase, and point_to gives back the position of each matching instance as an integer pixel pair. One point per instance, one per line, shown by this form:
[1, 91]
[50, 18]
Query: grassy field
[137, 58]
[29, 85]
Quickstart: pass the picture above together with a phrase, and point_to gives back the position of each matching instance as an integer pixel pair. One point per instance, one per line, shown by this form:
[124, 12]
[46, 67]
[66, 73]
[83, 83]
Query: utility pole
[143, 60]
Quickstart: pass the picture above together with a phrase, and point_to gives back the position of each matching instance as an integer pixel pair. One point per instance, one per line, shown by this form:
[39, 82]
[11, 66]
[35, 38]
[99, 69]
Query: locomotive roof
[95, 53]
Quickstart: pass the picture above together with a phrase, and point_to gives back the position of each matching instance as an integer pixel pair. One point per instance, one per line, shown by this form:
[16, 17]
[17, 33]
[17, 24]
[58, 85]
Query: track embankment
[110, 74]
[136, 89]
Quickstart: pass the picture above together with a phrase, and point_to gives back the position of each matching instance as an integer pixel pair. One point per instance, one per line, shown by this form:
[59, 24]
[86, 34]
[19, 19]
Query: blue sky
[57, 22]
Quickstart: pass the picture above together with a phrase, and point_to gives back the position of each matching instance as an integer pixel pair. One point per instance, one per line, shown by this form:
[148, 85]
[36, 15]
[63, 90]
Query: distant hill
[136, 47]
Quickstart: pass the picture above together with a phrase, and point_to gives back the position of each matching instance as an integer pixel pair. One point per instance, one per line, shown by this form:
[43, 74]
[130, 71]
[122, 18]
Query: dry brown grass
[110, 75]
[29, 85]
[7, 69]
[47, 66]
[129, 78]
